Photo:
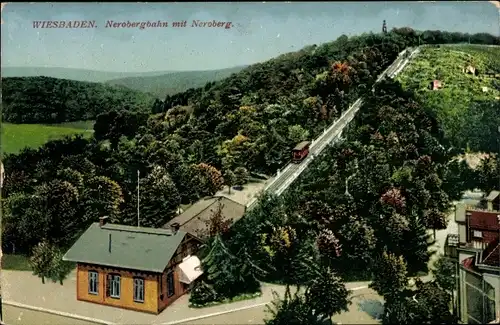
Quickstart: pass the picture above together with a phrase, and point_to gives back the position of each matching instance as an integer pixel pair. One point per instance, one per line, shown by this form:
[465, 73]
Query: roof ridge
[208, 206]
[225, 197]
[142, 230]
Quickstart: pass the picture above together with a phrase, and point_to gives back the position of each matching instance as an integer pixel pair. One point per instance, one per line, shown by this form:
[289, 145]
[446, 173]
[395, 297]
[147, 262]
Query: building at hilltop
[435, 85]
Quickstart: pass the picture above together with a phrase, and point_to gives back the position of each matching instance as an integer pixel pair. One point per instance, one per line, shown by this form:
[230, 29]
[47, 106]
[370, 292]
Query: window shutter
[108, 285]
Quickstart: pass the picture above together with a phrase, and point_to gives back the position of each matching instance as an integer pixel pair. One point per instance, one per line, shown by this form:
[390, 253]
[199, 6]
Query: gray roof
[302, 145]
[193, 219]
[493, 195]
[144, 249]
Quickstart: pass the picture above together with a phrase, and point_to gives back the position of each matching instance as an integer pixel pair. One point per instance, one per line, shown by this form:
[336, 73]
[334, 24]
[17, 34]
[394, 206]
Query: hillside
[51, 100]
[73, 74]
[173, 82]
[467, 106]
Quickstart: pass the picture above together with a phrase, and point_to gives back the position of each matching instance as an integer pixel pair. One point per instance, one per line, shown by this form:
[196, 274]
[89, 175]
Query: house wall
[188, 246]
[494, 205]
[462, 234]
[460, 212]
[126, 299]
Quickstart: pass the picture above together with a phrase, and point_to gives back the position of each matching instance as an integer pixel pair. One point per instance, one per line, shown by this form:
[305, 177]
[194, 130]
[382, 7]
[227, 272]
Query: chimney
[103, 221]
[109, 243]
[175, 227]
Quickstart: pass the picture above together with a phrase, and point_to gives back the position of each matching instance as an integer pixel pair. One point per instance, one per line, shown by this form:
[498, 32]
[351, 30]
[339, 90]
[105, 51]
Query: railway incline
[289, 173]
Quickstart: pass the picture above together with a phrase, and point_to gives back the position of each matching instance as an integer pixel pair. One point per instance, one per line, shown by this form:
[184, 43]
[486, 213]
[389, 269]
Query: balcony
[450, 246]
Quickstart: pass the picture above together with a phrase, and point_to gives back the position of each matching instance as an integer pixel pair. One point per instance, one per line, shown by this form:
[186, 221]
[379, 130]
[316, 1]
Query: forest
[46, 100]
[368, 200]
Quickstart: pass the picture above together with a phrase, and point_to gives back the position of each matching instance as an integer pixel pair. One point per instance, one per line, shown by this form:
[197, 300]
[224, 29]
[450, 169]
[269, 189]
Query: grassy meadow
[15, 137]
[453, 102]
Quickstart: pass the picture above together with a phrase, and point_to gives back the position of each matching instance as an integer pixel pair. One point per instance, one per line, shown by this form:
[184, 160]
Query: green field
[18, 136]
[454, 102]
[15, 262]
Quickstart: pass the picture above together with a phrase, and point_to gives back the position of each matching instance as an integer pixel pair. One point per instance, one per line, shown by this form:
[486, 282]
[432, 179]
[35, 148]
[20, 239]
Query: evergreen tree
[415, 246]
[230, 274]
[390, 278]
[327, 295]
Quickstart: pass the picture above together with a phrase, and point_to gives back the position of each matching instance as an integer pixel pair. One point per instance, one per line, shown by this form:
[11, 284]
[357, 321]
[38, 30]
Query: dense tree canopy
[52, 100]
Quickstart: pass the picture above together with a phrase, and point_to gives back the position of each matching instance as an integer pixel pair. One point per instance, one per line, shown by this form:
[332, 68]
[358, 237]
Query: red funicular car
[300, 151]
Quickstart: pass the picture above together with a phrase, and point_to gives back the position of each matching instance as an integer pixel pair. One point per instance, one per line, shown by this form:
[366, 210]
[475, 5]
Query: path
[22, 287]
[22, 316]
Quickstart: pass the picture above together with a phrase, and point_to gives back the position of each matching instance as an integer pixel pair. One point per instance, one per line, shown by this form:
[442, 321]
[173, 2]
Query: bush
[203, 294]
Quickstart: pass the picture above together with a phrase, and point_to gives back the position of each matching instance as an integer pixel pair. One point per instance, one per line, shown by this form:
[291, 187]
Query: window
[93, 282]
[474, 305]
[170, 284]
[138, 289]
[474, 279]
[113, 286]
[477, 234]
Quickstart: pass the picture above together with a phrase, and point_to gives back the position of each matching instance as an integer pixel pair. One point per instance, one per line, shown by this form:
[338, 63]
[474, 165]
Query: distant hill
[52, 100]
[73, 74]
[174, 82]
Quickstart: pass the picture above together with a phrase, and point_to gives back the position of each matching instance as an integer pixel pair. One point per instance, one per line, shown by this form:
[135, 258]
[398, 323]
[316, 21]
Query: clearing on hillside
[15, 137]
[466, 93]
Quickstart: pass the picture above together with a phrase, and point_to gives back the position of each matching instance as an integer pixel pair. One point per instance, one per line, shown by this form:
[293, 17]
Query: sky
[261, 31]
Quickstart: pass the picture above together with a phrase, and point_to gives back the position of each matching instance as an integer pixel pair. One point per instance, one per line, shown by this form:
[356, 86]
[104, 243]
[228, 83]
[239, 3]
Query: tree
[23, 222]
[202, 294]
[414, 246]
[231, 274]
[217, 224]
[391, 278]
[102, 197]
[328, 244]
[212, 178]
[428, 304]
[229, 179]
[297, 133]
[445, 273]
[61, 268]
[327, 295]
[59, 203]
[434, 304]
[488, 174]
[291, 310]
[43, 260]
[159, 199]
[71, 176]
[435, 219]
[358, 243]
[241, 175]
